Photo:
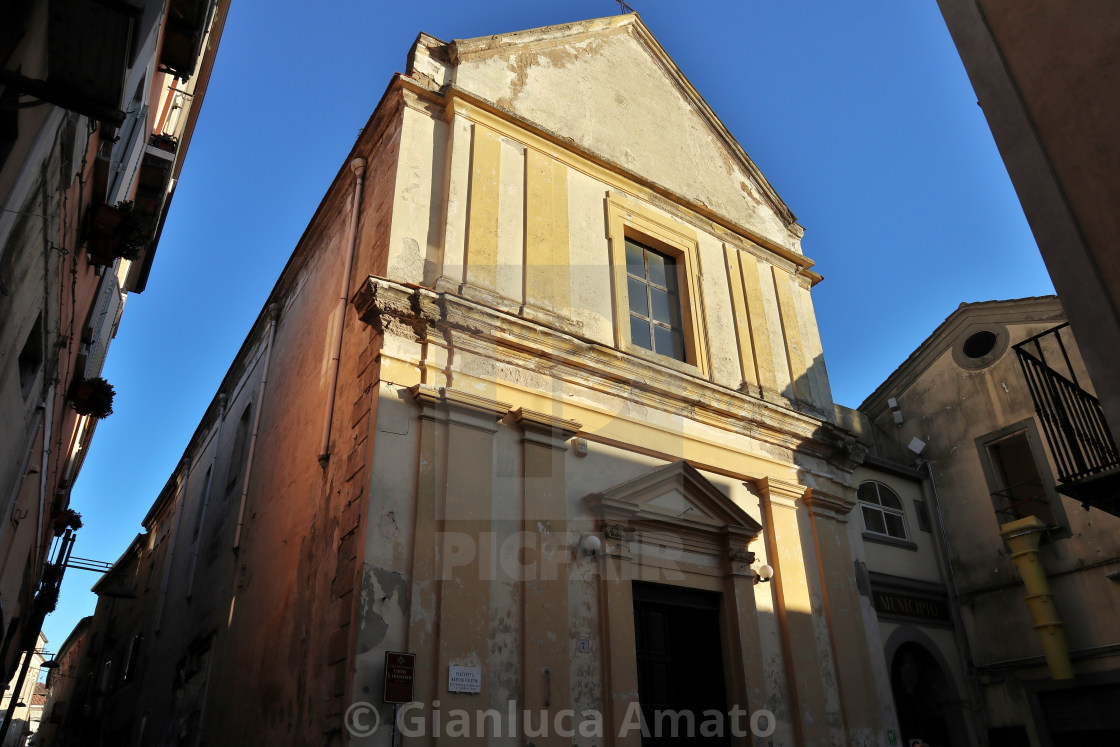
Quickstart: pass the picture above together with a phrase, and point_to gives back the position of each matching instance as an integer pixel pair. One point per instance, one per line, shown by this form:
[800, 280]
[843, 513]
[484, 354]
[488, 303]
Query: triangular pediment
[607, 86]
[674, 496]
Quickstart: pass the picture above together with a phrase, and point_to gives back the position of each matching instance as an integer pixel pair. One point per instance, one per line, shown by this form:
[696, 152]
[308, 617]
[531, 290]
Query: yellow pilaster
[791, 333]
[806, 671]
[547, 275]
[756, 318]
[546, 678]
[742, 320]
[852, 655]
[482, 228]
[463, 469]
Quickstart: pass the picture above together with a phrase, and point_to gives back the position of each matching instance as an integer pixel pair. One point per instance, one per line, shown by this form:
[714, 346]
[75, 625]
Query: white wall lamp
[589, 545]
[764, 573]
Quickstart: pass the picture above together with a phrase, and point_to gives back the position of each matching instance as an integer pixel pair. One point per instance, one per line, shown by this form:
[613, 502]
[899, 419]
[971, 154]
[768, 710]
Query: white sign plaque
[464, 679]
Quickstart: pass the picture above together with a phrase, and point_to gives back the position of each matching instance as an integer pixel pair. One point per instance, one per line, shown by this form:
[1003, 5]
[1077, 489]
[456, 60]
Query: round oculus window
[979, 344]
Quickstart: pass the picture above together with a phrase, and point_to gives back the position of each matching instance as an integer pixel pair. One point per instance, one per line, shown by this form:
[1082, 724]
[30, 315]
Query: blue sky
[859, 113]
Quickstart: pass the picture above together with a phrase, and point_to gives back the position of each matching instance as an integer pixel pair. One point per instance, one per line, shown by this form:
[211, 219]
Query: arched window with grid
[882, 510]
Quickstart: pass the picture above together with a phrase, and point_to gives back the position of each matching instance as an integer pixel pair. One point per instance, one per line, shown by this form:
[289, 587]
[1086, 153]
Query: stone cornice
[1033, 310]
[827, 505]
[545, 430]
[780, 492]
[445, 319]
[462, 408]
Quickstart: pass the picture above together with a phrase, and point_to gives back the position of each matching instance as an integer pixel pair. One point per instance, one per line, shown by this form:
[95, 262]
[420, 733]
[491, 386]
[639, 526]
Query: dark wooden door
[680, 664]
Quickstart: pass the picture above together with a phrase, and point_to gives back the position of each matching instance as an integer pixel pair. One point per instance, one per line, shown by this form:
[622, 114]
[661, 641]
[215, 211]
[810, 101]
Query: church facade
[537, 416]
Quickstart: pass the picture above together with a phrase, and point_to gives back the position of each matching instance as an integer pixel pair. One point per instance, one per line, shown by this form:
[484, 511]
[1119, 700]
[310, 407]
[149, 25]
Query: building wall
[1045, 76]
[522, 318]
[483, 334]
[63, 684]
[59, 160]
[955, 405]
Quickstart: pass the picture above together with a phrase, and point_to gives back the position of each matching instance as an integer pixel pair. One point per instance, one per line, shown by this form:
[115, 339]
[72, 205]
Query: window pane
[634, 262]
[639, 333]
[662, 304]
[636, 290]
[888, 498]
[657, 264]
[867, 493]
[873, 520]
[895, 526]
[668, 342]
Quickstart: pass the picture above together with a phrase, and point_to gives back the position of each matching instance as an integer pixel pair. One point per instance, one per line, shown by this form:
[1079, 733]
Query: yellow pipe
[1022, 537]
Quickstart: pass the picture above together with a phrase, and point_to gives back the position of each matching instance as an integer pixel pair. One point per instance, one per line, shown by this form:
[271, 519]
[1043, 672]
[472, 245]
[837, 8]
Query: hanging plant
[67, 518]
[115, 232]
[133, 233]
[92, 397]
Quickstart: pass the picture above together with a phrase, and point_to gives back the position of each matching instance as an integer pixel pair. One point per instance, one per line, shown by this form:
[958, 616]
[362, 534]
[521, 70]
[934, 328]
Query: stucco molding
[445, 319]
[545, 430]
[828, 506]
[848, 452]
[395, 309]
[458, 407]
[457, 101]
[781, 493]
[1039, 310]
[711, 524]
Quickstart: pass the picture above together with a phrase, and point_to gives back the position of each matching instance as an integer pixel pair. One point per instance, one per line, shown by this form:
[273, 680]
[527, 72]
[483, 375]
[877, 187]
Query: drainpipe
[222, 400]
[943, 542]
[180, 501]
[48, 425]
[1022, 537]
[358, 166]
[274, 312]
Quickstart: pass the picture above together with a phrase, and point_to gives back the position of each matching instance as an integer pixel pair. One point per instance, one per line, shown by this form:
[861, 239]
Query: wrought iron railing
[1026, 498]
[1072, 419]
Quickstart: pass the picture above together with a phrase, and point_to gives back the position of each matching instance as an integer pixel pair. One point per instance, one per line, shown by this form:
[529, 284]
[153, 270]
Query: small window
[978, 347]
[654, 301]
[1019, 491]
[201, 514]
[921, 511]
[240, 448]
[980, 344]
[31, 357]
[132, 658]
[882, 510]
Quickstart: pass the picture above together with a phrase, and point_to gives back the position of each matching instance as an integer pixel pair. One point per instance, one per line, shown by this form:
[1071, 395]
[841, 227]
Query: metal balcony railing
[1072, 419]
[1026, 498]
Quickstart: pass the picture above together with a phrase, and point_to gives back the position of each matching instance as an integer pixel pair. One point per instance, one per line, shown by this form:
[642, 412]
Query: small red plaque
[400, 670]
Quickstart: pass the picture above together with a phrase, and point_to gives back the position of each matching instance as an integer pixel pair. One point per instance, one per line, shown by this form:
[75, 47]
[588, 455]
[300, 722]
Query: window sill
[883, 539]
[689, 369]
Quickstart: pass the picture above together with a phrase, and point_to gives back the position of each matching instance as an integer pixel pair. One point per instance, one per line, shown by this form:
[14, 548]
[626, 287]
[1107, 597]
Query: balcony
[89, 45]
[1080, 442]
[187, 21]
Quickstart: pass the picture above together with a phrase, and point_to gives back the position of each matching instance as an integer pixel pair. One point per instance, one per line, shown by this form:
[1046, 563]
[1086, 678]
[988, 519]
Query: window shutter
[125, 162]
[104, 324]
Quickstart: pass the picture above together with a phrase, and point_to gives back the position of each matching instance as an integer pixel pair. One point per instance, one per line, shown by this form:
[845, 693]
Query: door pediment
[676, 500]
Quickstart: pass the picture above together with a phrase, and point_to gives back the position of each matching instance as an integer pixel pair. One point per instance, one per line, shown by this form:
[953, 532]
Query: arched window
[882, 510]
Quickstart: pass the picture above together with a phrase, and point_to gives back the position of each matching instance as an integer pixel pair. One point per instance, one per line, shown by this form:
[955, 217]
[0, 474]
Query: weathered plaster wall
[616, 94]
[516, 222]
[919, 562]
[950, 406]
